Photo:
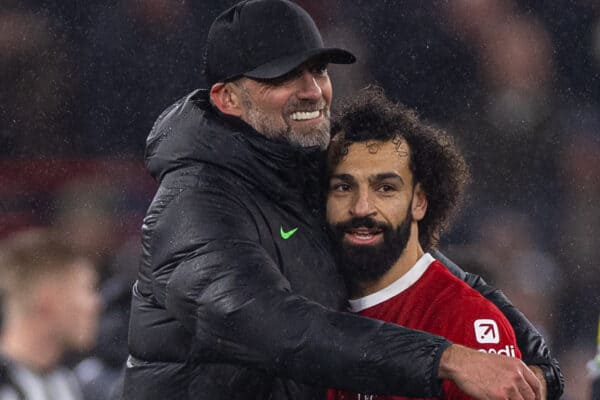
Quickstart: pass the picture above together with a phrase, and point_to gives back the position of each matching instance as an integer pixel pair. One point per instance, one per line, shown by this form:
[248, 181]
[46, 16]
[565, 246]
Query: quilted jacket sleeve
[215, 278]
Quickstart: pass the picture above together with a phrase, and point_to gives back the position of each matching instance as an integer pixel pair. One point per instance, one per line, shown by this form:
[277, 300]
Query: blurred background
[516, 82]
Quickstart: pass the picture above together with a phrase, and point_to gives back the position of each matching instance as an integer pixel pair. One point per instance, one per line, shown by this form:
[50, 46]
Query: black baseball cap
[264, 39]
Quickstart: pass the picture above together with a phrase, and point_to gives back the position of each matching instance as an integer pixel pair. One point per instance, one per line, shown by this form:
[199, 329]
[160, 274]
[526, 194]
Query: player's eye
[386, 188]
[340, 187]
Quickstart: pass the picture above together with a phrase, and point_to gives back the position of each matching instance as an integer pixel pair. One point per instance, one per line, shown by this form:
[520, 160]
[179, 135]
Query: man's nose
[362, 205]
[309, 88]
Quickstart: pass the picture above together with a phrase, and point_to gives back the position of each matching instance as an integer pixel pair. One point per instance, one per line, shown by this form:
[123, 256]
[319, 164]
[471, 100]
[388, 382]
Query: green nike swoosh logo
[286, 235]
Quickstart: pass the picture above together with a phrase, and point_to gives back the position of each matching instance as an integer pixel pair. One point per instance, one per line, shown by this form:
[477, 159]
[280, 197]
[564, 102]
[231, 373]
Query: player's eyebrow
[385, 176]
[344, 177]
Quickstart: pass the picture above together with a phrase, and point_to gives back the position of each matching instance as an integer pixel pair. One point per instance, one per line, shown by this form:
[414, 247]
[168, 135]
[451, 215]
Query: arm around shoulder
[489, 376]
[534, 349]
[232, 297]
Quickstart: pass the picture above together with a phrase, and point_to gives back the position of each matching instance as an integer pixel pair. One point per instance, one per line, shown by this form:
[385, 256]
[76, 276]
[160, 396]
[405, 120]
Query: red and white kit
[428, 297]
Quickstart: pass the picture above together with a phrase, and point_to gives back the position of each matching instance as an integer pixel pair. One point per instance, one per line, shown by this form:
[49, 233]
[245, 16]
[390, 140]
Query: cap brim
[282, 66]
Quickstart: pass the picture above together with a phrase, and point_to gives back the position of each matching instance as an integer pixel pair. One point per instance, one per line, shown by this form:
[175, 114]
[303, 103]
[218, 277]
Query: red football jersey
[429, 298]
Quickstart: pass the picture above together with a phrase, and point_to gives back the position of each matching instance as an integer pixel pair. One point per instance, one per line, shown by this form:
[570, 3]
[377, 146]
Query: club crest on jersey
[486, 331]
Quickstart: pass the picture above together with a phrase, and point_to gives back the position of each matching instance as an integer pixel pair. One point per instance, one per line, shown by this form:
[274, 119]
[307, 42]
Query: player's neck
[409, 257]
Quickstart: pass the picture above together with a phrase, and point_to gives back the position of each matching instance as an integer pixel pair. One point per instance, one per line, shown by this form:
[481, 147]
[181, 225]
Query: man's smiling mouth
[305, 115]
[363, 235]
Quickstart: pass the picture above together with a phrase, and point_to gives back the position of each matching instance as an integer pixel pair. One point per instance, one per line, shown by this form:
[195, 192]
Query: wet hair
[30, 256]
[435, 161]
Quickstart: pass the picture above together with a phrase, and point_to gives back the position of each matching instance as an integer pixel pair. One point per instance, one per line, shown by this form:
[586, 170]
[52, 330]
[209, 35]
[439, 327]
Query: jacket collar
[192, 131]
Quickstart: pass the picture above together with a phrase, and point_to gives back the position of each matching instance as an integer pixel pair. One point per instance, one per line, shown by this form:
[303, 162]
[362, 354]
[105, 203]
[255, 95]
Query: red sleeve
[480, 325]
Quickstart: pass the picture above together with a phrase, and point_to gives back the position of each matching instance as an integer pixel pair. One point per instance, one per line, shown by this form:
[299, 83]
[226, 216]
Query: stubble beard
[278, 129]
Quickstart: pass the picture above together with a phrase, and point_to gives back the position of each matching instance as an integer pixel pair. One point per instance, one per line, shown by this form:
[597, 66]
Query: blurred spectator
[514, 55]
[84, 215]
[50, 307]
[98, 373]
[506, 129]
[580, 222]
[578, 249]
[87, 214]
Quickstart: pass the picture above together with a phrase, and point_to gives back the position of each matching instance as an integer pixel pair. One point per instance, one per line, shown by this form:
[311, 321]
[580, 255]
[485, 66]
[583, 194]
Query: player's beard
[276, 127]
[365, 264]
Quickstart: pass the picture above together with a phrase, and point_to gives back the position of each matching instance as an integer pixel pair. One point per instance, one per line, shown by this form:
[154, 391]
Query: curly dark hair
[435, 161]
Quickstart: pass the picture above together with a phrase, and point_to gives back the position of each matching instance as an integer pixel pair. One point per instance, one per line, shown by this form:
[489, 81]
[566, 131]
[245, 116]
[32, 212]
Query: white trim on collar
[395, 288]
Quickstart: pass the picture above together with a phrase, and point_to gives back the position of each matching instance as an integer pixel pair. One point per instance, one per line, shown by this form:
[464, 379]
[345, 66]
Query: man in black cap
[237, 286]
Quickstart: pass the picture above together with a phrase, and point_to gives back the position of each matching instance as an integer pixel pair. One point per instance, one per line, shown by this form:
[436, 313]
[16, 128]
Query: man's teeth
[303, 115]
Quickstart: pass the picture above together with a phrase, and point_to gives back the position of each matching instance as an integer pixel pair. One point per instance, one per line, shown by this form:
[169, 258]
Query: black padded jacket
[237, 292]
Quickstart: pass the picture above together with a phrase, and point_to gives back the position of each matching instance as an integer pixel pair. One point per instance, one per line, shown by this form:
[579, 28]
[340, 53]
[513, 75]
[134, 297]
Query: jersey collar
[395, 288]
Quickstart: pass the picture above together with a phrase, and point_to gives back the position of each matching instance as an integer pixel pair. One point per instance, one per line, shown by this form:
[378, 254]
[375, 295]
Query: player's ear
[419, 203]
[226, 98]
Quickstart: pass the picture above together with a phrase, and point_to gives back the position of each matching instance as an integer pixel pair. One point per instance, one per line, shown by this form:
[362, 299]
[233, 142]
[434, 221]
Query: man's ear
[225, 97]
[419, 203]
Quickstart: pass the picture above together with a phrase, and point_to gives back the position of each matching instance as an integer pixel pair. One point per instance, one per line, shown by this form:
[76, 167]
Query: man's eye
[340, 187]
[320, 69]
[386, 188]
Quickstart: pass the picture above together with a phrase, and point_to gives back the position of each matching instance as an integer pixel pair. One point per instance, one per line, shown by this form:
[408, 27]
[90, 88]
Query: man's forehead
[375, 156]
[397, 148]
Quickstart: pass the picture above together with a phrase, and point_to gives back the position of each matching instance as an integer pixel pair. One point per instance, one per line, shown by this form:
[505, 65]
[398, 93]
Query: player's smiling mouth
[364, 236]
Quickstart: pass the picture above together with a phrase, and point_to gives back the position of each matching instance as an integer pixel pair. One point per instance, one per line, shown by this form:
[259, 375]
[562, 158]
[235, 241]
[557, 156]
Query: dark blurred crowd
[516, 82]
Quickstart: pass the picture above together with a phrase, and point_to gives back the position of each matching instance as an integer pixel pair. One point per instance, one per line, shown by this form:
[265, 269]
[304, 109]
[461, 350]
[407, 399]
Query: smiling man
[394, 182]
[237, 291]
